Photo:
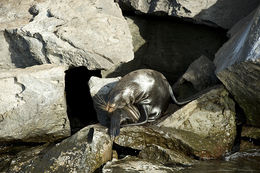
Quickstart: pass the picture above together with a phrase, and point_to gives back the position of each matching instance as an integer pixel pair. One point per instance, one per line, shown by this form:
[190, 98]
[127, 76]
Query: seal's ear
[114, 129]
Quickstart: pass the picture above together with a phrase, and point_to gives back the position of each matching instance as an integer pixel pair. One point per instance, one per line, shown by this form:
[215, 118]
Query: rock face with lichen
[238, 66]
[210, 120]
[33, 105]
[85, 151]
[77, 33]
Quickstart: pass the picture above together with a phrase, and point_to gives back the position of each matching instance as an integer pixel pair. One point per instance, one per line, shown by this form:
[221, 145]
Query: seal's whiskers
[100, 102]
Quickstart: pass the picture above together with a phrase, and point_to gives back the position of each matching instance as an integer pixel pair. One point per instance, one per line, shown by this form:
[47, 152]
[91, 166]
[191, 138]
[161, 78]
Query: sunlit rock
[76, 33]
[238, 66]
[85, 151]
[33, 105]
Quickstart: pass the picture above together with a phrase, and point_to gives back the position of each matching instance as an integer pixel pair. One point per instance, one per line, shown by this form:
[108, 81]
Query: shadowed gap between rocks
[240, 122]
[124, 151]
[169, 45]
[20, 51]
[80, 107]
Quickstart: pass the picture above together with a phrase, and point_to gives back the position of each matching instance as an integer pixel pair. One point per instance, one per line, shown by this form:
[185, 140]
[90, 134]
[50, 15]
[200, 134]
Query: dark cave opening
[80, 107]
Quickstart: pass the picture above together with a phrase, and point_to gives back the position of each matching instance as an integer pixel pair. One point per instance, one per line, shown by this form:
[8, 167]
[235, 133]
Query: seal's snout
[110, 107]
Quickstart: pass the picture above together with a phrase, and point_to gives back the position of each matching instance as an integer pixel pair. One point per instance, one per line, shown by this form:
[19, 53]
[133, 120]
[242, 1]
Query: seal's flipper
[143, 111]
[114, 128]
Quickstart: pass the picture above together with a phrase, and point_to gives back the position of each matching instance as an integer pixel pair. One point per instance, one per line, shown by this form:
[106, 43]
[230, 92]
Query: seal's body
[141, 93]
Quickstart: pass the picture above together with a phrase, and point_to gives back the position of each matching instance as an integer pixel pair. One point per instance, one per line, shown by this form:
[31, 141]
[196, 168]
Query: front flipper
[143, 111]
[114, 128]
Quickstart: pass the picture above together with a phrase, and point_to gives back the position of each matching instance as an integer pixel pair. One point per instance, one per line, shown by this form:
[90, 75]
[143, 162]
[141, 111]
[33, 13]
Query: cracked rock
[32, 104]
[76, 33]
[85, 151]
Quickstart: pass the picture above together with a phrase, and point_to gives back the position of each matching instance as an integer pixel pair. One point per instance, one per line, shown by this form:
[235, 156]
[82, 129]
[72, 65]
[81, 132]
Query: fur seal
[141, 93]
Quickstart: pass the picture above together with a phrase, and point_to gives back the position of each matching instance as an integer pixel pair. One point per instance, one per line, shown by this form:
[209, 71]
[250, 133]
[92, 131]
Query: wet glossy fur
[145, 89]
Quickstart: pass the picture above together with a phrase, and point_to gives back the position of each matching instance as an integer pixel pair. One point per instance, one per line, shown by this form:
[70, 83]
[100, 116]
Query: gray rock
[238, 66]
[77, 33]
[212, 12]
[133, 164]
[204, 128]
[85, 151]
[211, 119]
[15, 13]
[201, 73]
[33, 104]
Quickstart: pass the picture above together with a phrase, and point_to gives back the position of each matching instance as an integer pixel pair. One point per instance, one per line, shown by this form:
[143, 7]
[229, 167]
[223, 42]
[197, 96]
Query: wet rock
[140, 137]
[134, 164]
[246, 145]
[9, 151]
[33, 105]
[250, 132]
[212, 12]
[166, 156]
[238, 66]
[85, 151]
[211, 120]
[77, 33]
[156, 144]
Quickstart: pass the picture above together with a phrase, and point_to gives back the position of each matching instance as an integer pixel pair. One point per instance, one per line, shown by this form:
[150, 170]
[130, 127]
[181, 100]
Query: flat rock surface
[33, 105]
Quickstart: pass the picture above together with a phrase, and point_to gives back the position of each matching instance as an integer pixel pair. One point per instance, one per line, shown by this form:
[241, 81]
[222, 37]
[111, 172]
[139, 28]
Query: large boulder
[33, 105]
[77, 33]
[85, 151]
[212, 12]
[238, 66]
[210, 120]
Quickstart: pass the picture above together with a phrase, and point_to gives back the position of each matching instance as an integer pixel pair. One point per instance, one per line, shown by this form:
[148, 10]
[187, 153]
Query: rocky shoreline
[55, 56]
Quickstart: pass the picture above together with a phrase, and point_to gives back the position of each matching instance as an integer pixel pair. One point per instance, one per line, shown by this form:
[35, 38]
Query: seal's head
[117, 99]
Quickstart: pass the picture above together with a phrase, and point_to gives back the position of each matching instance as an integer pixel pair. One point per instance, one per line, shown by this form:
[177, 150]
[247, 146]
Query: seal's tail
[175, 100]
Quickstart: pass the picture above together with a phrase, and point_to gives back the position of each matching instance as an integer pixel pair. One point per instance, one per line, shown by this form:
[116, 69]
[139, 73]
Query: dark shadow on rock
[171, 45]
[80, 107]
[236, 10]
[21, 55]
